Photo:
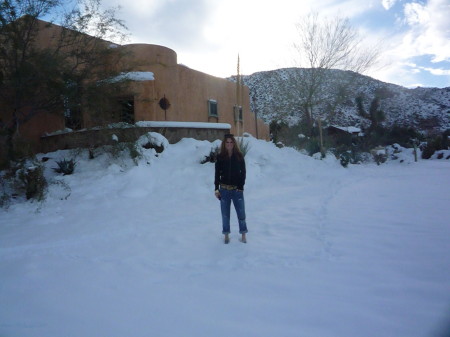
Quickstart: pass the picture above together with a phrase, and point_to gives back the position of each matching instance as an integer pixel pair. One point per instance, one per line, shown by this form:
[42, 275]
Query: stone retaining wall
[97, 137]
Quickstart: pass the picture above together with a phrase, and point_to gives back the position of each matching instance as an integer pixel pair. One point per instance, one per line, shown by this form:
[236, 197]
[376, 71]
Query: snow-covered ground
[137, 251]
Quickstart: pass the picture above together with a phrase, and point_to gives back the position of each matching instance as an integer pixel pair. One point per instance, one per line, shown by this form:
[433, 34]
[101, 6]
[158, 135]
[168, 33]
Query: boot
[244, 238]
[227, 239]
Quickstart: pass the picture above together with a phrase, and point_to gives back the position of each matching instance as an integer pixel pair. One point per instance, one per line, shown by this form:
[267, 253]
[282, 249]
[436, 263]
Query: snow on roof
[134, 76]
[150, 124]
[349, 129]
[194, 125]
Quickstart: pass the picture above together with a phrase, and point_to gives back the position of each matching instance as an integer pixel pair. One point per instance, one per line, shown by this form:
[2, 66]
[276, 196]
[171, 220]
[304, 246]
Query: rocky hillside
[275, 96]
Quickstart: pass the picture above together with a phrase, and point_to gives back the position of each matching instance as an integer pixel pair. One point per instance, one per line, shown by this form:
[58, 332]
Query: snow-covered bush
[344, 158]
[379, 155]
[118, 149]
[133, 151]
[349, 154]
[153, 140]
[30, 179]
[24, 179]
[441, 154]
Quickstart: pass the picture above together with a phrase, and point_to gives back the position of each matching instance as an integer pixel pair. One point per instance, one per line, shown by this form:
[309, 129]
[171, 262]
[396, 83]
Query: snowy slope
[137, 250]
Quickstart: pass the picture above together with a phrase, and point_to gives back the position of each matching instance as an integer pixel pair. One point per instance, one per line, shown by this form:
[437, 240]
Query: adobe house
[157, 89]
[192, 96]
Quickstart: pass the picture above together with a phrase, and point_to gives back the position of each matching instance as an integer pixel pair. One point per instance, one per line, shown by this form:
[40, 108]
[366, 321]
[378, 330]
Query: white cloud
[388, 4]
[176, 24]
[429, 29]
[416, 13]
[425, 36]
[436, 71]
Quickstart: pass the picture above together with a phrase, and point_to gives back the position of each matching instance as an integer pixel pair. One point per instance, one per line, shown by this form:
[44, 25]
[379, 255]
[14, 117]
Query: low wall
[97, 137]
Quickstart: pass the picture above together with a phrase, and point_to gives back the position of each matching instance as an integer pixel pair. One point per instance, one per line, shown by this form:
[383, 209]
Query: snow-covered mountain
[274, 93]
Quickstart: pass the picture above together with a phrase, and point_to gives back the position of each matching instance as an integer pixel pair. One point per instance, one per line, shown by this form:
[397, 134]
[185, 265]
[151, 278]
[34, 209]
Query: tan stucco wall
[187, 90]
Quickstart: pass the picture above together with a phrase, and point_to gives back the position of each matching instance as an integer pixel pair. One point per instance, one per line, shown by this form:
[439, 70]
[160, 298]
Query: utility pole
[241, 109]
[238, 99]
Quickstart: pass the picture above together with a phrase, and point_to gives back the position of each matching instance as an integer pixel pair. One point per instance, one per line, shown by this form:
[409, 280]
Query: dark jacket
[230, 171]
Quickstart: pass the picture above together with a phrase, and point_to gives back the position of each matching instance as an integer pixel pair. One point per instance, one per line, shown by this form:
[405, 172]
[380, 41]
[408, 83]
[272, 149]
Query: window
[72, 106]
[72, 117]
[237, 113]
[212, 108]
[126, 110]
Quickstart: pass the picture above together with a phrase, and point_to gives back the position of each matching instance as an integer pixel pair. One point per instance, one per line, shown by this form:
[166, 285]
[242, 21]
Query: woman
[229, 183]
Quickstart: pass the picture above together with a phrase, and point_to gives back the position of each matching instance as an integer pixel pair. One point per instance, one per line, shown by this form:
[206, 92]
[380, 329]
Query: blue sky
[207, 35]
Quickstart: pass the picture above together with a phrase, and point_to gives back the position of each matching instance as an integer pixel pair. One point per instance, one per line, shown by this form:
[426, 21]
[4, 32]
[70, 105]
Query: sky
[208, 35]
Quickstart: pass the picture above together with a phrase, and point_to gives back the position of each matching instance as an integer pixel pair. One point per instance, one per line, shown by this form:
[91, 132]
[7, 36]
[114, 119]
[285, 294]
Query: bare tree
[51, 76]
[325, 44]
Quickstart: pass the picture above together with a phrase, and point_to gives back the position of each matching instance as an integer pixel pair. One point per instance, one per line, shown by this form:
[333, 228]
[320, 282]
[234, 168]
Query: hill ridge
[274, 96]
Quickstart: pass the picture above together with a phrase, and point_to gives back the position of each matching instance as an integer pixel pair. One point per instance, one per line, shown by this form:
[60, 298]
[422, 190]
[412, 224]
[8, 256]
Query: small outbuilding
[343, 130]
[344, 134]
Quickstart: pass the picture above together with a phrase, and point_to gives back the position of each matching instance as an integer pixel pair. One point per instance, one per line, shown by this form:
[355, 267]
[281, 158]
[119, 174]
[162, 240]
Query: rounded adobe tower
[151, 54]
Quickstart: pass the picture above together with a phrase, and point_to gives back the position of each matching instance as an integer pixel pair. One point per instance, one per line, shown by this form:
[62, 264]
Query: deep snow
[125, 250]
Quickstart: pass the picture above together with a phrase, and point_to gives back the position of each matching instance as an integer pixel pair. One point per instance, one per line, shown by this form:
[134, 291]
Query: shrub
[344, 158]
[432, 146]
[91, 153]
[24, 178]
[134, 152]
[312, 146]
[4, 195]
[212, 157]
[445, 139]
[65, 166]
[348, 154]
[428, 150]
[32, 179]
[402, 136]
[379, 155]
[244, 146]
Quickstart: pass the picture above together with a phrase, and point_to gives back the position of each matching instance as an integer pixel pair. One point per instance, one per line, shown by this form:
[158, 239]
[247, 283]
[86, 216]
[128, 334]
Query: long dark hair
[236, 150]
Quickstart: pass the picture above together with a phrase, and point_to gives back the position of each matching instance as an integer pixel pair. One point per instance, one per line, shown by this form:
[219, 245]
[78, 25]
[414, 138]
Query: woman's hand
[217, 193]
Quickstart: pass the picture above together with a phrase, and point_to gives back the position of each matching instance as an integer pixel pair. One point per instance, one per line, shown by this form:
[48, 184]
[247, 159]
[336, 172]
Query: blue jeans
[226, 196]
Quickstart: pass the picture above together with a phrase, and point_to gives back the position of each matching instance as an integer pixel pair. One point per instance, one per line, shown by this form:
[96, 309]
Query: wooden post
[256, 121]
[321, 137]
[415, 150]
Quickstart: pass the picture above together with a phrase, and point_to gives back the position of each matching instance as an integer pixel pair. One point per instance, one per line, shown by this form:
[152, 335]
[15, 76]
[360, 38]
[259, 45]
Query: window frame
[213, 112]
[238, 113]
